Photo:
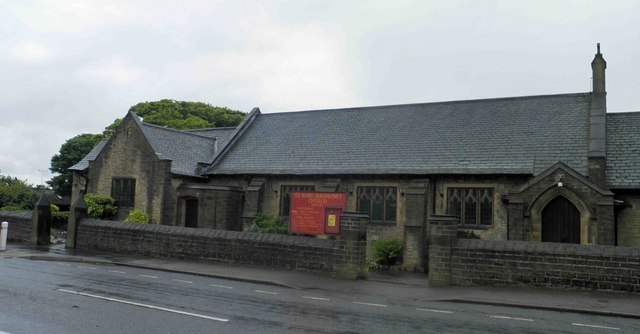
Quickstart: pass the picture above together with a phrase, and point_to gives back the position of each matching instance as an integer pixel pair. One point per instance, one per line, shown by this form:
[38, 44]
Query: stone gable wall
[128, 155]
[342, 258]
[20, 225]
[629, 221]
[596, 209]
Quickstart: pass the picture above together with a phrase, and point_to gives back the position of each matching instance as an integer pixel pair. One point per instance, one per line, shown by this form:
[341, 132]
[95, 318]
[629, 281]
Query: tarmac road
[67, 297]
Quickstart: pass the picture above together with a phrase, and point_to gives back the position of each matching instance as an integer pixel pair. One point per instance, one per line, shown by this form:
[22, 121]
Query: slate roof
[521, 135]
[185, 148]
[91, 156]
[623, 150]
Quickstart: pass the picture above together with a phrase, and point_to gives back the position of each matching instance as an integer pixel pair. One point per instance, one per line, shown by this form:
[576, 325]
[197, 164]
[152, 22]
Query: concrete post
[442, 238]
[78, 213]
[41, 222]
[4, 229]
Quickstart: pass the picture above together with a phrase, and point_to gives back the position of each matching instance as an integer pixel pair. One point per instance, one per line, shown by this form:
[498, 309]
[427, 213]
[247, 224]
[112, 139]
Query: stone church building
[552, 168]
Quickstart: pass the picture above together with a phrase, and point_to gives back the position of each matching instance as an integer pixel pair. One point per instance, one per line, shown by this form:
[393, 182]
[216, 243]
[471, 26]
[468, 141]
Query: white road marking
[83, 267]
[434, 311]
[509, 318]
[143, 305]
[181, 281]
[315, 298]
[117, 271]
[148, 276]
[62, 264]
[42, 261]
[1, 332]
[596, 326]
[370, 304]
[221, 286]
[266, 292]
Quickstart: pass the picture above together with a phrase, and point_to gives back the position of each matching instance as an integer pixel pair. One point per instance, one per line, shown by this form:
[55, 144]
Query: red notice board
[308, 210]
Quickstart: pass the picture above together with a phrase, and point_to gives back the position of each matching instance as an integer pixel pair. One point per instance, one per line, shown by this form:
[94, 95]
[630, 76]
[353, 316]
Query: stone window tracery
[474, 206]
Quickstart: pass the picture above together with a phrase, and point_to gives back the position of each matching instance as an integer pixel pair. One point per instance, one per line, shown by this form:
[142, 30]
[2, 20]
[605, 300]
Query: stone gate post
[442, 238]
[41, 222]
[78, 212]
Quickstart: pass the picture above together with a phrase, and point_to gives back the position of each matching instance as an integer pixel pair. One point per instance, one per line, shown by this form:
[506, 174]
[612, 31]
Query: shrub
[13, 208]
[54, 208]
[268, 224]
[387, 252]
[138, 217]
[100, 206]
[59, 219]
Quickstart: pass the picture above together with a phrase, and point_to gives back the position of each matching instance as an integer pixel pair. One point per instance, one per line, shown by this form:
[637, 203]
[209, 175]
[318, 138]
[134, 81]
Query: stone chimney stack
[598, 66]
[597, 122]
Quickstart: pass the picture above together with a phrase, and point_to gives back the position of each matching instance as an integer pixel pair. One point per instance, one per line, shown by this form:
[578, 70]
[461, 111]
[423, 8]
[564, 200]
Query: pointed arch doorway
[560, 222]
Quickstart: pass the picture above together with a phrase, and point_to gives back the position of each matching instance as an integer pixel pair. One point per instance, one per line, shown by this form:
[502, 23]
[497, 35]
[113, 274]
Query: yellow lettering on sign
[331, 220]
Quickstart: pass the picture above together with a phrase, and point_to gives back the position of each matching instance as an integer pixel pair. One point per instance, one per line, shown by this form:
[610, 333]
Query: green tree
[111, 129]
[186, 115]
[16, 194]
[71, 152]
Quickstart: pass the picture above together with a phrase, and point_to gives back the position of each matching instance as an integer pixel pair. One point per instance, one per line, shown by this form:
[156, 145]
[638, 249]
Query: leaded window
[123, 190]
[380, 203]
[285, 197]
[474, 206]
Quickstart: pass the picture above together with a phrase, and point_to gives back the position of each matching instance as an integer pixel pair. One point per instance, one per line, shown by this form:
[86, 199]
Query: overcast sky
[71, 67]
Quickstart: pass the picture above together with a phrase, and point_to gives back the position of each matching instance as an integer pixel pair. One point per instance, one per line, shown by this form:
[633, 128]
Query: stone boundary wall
[343, 258]
[483, 262]
[474, 262]
[20, 225]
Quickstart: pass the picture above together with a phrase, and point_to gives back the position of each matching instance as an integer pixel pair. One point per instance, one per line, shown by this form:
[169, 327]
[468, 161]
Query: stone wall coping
[547, 248]
[223, 234]
[16, 214]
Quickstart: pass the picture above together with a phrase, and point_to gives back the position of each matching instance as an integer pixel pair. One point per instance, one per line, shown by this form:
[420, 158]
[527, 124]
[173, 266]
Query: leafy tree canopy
[186, 115]
[16, 194]
[71, 152]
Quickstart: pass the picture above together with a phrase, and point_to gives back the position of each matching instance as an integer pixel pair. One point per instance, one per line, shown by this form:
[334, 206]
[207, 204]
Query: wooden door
[191, 213]
[561, 222]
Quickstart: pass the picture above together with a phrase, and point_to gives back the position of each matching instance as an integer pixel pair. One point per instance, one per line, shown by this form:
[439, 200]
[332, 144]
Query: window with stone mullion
[285, 197]
[379, 202]
[474, 206]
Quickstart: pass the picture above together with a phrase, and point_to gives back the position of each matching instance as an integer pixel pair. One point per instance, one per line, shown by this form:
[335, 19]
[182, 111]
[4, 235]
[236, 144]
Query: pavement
[391, 285]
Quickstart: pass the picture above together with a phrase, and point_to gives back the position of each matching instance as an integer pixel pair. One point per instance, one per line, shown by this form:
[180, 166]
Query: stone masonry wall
[629, 222]
[483, 262]
[342, 258]
[20, 225]
[475, 262]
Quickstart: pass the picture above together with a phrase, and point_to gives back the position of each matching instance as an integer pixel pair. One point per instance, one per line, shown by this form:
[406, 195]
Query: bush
[387, 252]
[138, 217]
[100, 206]
[54, 208]
[13, 208]
[268, 224]
[59, 219]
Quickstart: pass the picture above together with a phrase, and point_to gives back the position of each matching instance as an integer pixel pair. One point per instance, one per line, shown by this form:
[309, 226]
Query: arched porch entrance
[560, 222]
